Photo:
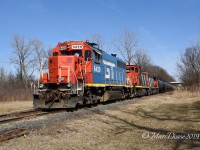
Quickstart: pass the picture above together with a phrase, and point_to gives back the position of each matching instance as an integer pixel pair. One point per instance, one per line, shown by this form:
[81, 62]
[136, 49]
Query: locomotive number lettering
[97, 69]
[77, 46]
[107, 75]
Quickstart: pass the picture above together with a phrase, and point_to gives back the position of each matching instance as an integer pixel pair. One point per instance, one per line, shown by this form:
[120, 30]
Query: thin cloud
[111, 4]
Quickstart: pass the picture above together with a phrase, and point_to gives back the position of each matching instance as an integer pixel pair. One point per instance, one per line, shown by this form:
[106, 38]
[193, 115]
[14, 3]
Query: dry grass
[9, 95]
[15, 106]
[123, 127]
[186, 94]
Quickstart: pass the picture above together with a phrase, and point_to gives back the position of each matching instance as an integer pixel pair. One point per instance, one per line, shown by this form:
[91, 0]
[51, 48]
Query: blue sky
[164, 27]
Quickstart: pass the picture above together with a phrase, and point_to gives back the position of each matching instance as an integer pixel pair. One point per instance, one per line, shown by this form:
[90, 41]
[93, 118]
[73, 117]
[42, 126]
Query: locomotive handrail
[42, 72]
[68, 74]
[68, 78]
[128, 82]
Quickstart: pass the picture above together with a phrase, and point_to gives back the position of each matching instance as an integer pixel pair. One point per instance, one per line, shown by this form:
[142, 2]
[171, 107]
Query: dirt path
[162, 121]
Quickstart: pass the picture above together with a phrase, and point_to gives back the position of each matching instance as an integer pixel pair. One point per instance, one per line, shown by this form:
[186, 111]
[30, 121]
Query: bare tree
[126, 44]
[189, 66]
[48, 52]
[22, 57]
[142, 59]
[2, 74]
[40, 54]
[98, 39]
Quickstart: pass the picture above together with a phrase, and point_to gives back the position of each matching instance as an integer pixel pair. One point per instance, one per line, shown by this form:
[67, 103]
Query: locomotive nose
[63, 69]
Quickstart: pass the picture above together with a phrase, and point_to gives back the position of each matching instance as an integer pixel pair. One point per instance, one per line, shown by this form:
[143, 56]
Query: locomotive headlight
[63, 48]
[62, 79]
[69, 85]
[41, 86]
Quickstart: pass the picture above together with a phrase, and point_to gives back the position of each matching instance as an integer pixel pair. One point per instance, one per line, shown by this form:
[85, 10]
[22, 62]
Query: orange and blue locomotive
[80, 73]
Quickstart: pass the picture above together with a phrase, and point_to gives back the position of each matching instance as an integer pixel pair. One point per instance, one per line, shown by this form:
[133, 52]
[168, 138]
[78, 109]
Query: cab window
[55, 54]
[127, 70]
[87, 55]
[97, 58]
[136, 69]
[74, 52]
[77, 53]
[65, 53]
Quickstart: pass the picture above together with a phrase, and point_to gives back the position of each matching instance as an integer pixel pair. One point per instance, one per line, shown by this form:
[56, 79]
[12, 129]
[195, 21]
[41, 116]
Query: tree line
[11, 88]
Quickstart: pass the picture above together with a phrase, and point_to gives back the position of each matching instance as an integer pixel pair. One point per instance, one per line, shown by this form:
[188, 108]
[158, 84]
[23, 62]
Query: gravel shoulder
[154, 122]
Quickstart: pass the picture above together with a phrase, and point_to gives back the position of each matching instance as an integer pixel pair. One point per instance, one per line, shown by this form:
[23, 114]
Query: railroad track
[17, 116]
[32, 113]
[20, 115]
[26, 115]
[12, 133]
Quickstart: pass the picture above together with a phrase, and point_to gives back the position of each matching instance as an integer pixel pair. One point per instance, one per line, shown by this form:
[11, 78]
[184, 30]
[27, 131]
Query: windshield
[74, 52]
[127, 70]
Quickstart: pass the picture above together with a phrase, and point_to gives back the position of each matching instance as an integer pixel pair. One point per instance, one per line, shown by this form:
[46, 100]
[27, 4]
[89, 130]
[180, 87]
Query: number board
[77, 46]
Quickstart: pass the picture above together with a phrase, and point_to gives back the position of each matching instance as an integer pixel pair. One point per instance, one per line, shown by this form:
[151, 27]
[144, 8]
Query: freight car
[81, 73]
[164, 86]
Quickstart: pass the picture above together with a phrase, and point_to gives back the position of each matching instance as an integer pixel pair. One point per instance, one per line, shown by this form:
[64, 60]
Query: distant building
[178, 85]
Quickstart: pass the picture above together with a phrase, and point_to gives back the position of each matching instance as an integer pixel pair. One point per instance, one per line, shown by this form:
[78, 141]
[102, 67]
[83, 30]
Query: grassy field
[11, 106]
[163, 121]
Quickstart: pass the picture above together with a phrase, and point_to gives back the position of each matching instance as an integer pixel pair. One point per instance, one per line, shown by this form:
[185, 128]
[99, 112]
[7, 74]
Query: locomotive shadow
[191, 111]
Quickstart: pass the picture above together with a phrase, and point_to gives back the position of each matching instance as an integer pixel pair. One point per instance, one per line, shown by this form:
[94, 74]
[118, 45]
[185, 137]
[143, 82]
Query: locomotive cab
[132, 75]
[68, 65]
[133, 80]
